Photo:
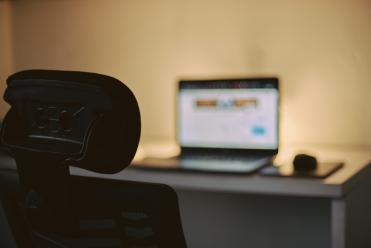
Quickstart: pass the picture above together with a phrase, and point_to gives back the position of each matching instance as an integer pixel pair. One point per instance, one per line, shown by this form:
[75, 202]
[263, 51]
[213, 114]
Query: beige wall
[6, 65]
[321, 49]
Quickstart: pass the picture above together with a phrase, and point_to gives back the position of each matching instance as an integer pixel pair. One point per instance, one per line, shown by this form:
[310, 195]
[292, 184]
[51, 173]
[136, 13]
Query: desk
[265, 212]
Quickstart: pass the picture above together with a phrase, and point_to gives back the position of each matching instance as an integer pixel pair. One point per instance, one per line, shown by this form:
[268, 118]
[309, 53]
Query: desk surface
[356, 161]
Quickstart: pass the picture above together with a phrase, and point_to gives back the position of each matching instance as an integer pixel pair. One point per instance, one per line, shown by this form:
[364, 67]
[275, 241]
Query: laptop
[224, 125]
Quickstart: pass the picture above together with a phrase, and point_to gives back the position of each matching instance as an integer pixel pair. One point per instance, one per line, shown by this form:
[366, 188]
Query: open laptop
[225, 125]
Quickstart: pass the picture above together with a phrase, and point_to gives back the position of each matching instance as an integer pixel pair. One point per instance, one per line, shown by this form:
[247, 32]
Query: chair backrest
[59, 119]
[111, 213]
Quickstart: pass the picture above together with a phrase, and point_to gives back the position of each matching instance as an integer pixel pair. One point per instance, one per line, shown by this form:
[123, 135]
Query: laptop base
[221, 165]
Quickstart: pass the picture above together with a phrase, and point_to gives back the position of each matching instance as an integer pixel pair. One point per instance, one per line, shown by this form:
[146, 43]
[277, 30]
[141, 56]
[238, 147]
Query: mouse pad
[323, 170]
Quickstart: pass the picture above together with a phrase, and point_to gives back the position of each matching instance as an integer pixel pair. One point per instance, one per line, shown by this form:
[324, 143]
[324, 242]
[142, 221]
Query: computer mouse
[304, 162]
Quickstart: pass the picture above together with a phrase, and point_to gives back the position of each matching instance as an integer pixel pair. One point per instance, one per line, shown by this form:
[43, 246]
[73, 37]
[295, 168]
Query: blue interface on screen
[243, 118]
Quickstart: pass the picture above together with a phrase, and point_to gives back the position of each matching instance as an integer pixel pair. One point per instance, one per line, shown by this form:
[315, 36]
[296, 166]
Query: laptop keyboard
[223, 158]
[224, 164]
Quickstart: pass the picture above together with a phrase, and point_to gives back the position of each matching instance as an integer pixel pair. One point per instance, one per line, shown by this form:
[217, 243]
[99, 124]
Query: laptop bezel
[185, 150]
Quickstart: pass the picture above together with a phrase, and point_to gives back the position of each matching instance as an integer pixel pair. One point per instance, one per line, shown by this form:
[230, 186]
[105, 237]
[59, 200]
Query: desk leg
[338, 219]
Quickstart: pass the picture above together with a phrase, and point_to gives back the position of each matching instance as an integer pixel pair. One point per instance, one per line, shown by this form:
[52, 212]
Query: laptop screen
[232, 114]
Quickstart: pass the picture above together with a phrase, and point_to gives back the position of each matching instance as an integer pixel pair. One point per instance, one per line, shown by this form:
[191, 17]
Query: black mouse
[304, 162]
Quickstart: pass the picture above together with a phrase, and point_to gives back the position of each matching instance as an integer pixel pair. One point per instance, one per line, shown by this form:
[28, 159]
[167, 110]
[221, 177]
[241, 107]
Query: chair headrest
[85, 119]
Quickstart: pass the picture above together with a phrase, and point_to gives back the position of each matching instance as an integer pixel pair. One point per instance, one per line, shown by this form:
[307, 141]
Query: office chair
[60, 119]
